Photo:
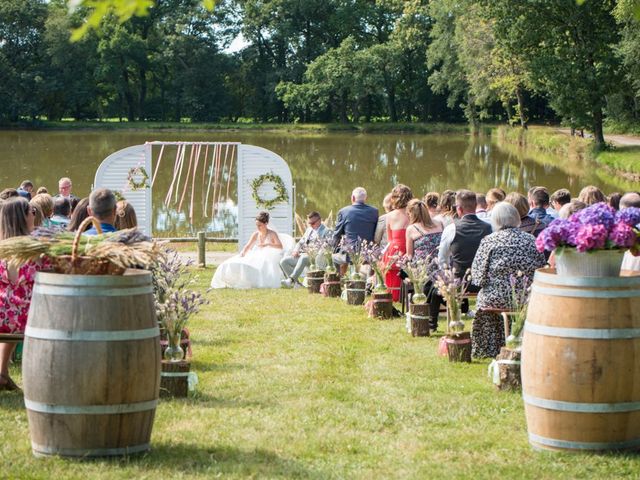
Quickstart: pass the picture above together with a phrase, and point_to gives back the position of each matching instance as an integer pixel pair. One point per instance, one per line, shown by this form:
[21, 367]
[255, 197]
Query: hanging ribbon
[186, 178]
[193, 181]
[213, 156]
[155, 173]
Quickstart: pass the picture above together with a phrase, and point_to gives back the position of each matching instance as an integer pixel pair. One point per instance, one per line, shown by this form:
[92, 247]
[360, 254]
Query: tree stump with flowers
[382, 300]
[332, 286]
[315, 279]
[419, 314]
[418, 269]
[174, 378]
[355, 292]
[315, 276]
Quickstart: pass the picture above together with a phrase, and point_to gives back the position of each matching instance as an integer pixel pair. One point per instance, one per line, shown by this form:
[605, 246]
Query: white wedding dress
[259, 268]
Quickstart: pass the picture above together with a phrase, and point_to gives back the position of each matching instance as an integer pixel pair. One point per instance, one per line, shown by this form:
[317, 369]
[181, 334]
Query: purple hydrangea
[629, 216]
[559, 232]
[596, 214]
[623, 235]
[591, 237]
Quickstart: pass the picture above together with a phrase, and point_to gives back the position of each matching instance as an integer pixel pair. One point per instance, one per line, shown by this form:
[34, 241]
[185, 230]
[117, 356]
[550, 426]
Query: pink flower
[590, 237]
[623, 235]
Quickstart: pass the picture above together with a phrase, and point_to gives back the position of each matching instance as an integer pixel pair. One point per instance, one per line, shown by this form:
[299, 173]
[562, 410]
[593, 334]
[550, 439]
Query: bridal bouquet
[597, 227]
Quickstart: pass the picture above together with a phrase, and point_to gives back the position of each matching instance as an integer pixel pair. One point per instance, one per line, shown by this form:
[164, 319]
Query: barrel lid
[131, 278]
[549, 275]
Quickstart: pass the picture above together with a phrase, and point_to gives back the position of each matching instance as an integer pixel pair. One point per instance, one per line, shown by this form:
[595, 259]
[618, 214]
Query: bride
[257, 265]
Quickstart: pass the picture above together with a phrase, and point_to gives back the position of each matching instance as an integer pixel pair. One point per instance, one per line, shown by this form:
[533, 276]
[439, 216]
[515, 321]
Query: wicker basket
[82, 264]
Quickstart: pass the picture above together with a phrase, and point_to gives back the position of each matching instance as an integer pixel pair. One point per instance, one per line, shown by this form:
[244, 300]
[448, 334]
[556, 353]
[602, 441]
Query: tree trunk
[391, 103]
[143, 92]
[521, 109]
[598, 133]
[507, 108]
[343, 108]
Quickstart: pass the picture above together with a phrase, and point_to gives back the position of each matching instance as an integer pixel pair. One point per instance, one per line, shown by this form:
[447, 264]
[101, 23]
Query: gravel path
[623, 140]
[212, 258]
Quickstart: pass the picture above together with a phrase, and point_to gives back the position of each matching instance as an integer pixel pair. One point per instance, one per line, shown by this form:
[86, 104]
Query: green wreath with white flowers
[138, 178]
[278, 186]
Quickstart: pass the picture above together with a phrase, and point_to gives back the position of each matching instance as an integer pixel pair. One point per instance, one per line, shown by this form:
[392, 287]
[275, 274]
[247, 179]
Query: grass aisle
[293, 385]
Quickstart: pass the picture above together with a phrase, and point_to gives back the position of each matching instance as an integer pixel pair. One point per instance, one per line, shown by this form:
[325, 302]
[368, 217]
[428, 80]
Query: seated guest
[494, 195]
[558, 199]
[447, 208]
[44, 202]
[125, 215]
[380, 236]
[506, 252]
[538, 203]
[61, 212]
[527, 223]
[591, 195]
[294, 264]
[397, 223]
[432, 199]
[8, 193]
[64, 189]
[423, 240]
[78, 215]
[630, 199]
[481, 209]
[102, 206]
[570, 208]
[614, 200]
[356, 222]
[25, 189]
[461, 239]
[42, 190]
[16, 284]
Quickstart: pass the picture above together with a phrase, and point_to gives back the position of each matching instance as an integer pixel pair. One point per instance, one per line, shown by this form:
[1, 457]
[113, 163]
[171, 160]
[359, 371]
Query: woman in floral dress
[506, 252]
[16, 284]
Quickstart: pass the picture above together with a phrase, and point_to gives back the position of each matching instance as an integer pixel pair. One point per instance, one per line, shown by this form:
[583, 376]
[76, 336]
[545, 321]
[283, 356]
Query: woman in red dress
[16, 284]
[397, 222]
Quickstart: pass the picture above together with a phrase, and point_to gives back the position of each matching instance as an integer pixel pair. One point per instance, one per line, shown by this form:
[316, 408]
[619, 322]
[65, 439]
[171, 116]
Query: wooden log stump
[508, 364]
[382, 305]
[314, 280]
[332, 286]
[355, 292]
[419, 314]
[174, 379]
[458, 347]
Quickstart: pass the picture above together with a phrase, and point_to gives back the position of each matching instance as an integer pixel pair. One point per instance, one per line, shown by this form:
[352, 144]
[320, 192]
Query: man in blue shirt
[102, 206]
[539, 202]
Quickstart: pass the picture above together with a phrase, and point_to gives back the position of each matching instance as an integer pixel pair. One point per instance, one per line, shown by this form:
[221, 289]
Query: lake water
[325, 167]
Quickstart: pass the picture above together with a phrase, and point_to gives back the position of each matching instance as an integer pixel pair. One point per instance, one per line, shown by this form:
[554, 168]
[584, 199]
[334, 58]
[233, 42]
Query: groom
[293, 265]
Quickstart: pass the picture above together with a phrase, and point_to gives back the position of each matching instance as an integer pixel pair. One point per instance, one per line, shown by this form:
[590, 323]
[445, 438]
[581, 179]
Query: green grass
[210, 246]
[621, 159]
[376, 127]
[300, 386]
[545, 139]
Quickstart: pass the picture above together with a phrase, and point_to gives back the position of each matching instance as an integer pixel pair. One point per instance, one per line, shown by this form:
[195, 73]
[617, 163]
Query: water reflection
[325, 168]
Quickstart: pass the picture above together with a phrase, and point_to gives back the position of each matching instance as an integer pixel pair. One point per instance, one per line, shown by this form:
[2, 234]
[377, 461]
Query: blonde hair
[591, 195]
[419, 213]
[125, 216]
[519, 201]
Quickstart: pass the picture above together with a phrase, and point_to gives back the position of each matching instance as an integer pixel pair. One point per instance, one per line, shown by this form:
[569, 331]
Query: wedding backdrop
[202, 175]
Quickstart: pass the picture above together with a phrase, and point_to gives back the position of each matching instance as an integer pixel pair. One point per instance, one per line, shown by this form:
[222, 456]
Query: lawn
[300, 386]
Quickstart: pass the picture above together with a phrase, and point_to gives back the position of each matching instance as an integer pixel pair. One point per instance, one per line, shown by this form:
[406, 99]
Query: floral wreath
[143, 182]
[278, 185]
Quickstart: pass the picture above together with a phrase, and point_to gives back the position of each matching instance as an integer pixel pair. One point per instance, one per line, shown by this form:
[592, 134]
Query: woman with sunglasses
[17, 218]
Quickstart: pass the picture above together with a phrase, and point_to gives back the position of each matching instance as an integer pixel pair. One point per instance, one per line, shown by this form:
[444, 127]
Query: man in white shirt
[294, 264]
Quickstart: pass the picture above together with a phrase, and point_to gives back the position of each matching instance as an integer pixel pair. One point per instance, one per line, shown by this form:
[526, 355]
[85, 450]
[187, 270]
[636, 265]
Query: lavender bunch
[179, 306]
[373, 255]
[312, 249]
[520, 293]
[326, 250]
[452, 288]
[355, 252]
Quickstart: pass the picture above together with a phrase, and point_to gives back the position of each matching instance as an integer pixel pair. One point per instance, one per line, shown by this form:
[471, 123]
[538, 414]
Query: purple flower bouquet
[595, 228]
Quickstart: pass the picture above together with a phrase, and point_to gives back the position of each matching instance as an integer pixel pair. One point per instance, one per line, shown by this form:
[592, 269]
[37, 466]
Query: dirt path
[622, 140]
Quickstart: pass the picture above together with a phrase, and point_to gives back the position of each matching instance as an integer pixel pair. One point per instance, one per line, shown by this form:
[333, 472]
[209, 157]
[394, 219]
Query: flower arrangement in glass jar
[520, 293]
[452, 288]
[313, 249]
[326, 250]
[354, 250]
[418, 269]
[174, 302]
[373, 255]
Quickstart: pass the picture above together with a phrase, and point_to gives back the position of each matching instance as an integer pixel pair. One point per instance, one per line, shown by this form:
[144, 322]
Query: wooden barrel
[332, 285]
[91, 364]
[581, 363]
[314, 280]
[419, 314]
[355, 292]
[382, 305]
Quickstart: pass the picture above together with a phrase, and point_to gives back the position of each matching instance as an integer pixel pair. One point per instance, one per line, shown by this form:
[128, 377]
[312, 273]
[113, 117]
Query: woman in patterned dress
[423, 240]
[501, 254]
[16, 284]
